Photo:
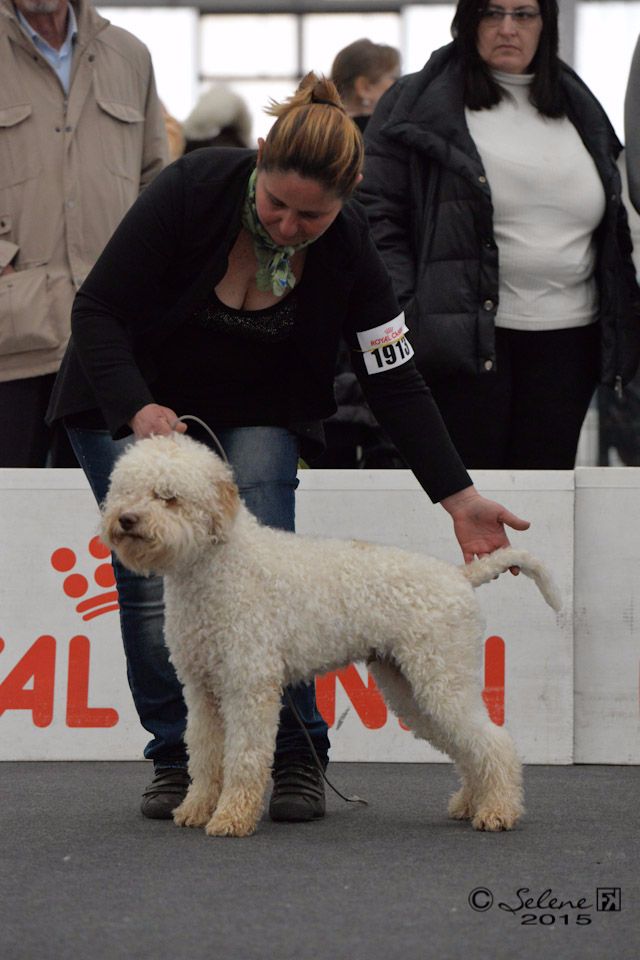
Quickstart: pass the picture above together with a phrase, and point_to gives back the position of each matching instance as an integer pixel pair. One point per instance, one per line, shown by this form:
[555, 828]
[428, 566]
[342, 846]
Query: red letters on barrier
[38, 667]
[494, 674]
[30, 685]
[371, 708]
[79, 713]
[368, 702]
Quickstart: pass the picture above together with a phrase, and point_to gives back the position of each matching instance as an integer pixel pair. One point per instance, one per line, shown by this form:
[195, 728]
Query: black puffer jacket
[429, 205]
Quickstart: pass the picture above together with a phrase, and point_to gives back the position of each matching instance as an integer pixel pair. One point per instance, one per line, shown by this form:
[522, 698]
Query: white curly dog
[250, 610]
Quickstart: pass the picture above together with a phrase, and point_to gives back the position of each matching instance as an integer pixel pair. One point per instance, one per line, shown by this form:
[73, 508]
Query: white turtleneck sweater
[548, 199]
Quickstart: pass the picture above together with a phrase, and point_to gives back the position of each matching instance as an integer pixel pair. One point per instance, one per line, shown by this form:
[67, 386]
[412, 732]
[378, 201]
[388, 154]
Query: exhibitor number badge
[386, 346]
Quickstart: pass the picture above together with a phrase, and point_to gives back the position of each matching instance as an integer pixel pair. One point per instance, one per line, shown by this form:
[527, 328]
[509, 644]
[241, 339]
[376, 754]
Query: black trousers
[25, 439]
[529, 413]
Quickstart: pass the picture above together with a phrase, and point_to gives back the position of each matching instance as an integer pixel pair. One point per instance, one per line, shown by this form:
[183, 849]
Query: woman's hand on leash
[479, 524]
[153, 419]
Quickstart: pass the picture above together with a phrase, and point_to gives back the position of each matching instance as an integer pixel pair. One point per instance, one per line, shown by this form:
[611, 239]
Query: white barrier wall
[566, 687]
[607, 634]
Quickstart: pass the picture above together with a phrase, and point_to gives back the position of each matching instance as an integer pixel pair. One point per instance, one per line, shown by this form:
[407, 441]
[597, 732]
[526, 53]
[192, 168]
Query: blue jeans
[264, 461]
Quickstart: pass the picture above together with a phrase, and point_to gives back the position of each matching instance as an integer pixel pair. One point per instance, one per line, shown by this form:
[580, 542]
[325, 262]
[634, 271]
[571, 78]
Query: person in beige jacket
[81, 133]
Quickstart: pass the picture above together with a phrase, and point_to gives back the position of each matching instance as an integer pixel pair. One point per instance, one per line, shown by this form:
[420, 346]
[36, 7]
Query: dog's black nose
[128, 521]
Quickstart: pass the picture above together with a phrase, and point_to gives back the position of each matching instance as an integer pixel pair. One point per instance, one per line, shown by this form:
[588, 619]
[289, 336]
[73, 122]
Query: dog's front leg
[251, 724]
[205, 740]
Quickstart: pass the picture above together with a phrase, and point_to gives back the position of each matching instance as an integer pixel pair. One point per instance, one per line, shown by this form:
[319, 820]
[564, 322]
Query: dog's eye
[169, 498]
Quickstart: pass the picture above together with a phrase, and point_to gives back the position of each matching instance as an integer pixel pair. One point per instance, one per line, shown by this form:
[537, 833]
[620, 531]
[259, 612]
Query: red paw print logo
[75, 585]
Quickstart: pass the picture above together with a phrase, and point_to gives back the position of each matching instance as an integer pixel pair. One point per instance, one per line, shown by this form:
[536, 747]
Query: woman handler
[223, 294]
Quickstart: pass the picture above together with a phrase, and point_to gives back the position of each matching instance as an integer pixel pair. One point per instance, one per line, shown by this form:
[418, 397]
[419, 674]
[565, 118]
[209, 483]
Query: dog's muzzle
[128, 521]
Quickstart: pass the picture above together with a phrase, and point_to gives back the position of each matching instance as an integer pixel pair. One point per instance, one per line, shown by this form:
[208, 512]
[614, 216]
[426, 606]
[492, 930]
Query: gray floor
[83, 875]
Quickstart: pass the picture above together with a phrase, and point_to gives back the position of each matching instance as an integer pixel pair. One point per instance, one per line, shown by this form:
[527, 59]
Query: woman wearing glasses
[494, 199]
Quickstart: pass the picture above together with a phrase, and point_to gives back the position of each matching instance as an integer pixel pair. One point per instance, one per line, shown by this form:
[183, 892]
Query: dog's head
[169, 499]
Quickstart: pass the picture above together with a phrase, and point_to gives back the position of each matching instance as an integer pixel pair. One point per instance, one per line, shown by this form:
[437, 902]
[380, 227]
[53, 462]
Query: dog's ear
[228, 502]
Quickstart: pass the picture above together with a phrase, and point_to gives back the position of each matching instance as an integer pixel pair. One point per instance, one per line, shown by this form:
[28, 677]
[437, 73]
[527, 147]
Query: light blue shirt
[60, 59]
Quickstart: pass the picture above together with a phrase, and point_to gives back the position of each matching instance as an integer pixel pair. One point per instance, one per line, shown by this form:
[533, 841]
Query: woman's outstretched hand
[479, 524]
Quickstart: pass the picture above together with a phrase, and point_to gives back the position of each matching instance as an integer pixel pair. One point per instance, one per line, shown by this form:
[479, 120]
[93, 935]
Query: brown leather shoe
[166, 791]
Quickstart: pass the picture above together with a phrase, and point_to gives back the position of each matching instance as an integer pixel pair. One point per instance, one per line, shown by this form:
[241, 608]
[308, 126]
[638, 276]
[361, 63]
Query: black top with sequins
[232, 366]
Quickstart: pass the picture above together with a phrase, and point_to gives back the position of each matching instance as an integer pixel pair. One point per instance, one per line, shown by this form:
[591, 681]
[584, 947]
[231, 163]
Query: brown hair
[314, 137]
[362, 58]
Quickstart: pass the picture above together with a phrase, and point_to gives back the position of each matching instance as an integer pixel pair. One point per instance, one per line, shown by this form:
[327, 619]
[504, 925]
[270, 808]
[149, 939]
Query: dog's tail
[488, 568]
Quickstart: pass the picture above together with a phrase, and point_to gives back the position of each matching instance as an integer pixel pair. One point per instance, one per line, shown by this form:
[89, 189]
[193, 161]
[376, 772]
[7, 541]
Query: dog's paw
[460, 807]
[193, 813]
[226, 824]
[495, 820]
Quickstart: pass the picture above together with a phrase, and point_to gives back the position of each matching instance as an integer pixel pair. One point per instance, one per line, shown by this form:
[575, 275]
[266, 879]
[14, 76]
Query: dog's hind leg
[491, 795]
[204, 739]
[398, 694]
[251, 724]
[491, 773]
[456, 723]
[397, 691]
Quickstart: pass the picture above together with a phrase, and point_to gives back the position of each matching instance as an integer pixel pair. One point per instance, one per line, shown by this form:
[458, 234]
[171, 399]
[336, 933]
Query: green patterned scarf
[274, 269]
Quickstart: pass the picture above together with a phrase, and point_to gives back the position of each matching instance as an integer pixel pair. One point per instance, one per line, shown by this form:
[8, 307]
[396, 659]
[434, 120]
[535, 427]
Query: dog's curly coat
[250, 610]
